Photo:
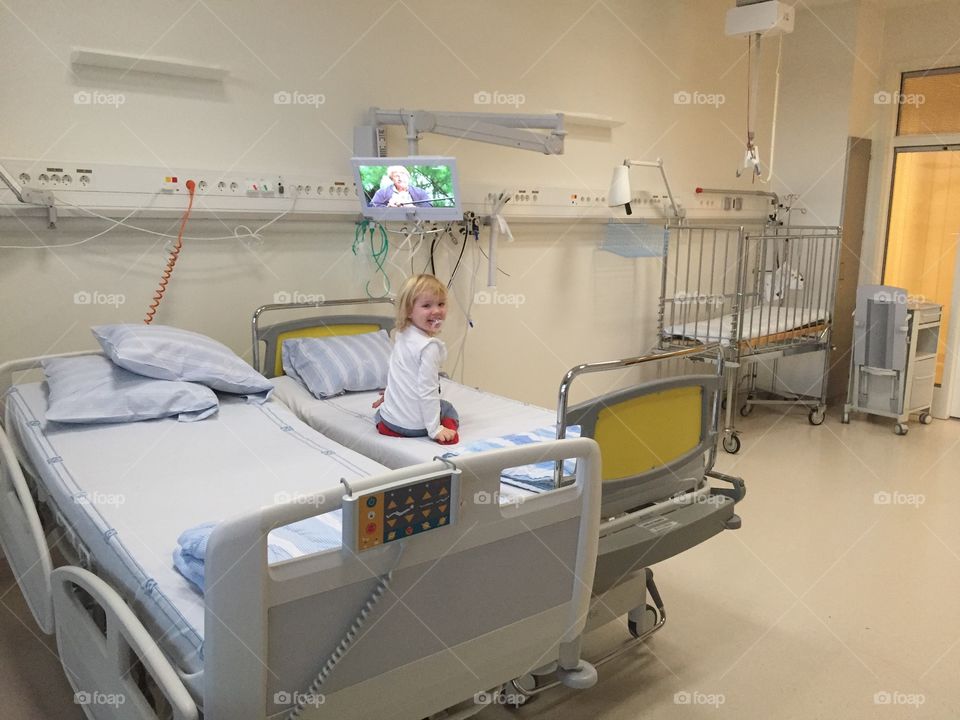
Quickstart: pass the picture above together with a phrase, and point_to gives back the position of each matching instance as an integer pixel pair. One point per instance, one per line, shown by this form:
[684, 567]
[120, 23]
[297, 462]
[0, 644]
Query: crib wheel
[926, 418]
[845, 418]
[746, 409]
[816, 416]
[900, 429]
[731, 443]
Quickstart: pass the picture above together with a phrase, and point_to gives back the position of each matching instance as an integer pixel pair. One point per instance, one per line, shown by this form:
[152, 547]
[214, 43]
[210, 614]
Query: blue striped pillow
[168, 353]
[91, 389]
[330, 366]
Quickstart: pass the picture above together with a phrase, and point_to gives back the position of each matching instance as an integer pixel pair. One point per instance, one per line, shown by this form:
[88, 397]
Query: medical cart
[894, 360]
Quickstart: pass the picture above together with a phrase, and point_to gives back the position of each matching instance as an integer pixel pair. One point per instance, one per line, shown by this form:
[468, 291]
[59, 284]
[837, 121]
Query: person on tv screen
[400, 193]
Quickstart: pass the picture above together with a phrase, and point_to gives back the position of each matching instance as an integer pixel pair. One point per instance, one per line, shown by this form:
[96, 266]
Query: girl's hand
[445, 435]
[378, 402]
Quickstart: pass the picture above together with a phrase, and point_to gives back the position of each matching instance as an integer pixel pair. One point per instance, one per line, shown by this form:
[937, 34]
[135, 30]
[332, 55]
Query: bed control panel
[400, 510]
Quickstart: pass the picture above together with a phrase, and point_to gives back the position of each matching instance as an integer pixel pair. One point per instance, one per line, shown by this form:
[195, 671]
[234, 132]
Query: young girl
[411, 404]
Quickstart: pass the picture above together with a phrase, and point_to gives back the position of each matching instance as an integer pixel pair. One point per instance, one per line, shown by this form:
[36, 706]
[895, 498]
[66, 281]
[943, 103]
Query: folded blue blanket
[535, 477]
[321, 532]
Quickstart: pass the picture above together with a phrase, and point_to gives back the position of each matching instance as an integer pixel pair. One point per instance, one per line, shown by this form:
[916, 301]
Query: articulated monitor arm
[31, 196]
[508, 129]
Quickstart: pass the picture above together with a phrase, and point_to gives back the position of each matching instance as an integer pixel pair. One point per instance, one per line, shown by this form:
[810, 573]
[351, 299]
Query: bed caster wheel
[731, 443]
[845, 418]
[746, 409]
[900, 429]
[817, 416]
[509, 696]
[926, 418]
[635, 629]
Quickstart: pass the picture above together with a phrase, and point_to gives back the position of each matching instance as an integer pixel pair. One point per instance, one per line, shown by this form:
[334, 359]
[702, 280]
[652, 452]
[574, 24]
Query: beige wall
[624, 59]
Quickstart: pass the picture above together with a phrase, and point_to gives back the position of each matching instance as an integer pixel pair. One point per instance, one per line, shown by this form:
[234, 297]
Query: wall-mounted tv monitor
[408, 188]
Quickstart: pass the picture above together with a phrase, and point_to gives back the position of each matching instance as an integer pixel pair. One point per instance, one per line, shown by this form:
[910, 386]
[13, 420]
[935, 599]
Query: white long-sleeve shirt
[412, 397]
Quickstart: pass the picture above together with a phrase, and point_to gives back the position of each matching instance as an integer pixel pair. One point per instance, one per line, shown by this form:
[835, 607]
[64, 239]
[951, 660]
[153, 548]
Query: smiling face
[428, 313]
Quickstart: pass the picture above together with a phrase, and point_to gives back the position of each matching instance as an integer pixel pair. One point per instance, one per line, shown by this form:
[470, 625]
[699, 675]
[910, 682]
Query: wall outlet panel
[114, 189]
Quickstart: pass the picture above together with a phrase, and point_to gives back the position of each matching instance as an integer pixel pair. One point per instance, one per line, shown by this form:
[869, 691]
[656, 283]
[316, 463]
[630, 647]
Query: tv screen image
[404, 188]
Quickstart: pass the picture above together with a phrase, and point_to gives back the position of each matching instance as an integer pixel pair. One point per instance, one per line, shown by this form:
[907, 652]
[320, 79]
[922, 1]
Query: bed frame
[448, 616]
[775, 287]
[658, 442]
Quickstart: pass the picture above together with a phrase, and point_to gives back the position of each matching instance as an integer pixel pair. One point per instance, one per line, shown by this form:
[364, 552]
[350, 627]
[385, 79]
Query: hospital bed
[657, 441]
[402, 627]
[762, 293]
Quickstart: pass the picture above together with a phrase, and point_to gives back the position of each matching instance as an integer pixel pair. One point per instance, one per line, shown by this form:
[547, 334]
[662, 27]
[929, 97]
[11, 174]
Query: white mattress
[149, 481]
[348, 419]
[758, 322]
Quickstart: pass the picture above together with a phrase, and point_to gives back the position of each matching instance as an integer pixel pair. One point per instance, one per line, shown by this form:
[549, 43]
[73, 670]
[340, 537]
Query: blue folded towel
[321, 532]
[535, 477]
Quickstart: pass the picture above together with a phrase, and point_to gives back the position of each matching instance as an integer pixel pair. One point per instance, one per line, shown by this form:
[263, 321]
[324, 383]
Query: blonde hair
[414, 287]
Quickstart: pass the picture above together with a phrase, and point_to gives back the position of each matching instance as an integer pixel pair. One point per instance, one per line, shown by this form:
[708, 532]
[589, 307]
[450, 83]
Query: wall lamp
[620, 193]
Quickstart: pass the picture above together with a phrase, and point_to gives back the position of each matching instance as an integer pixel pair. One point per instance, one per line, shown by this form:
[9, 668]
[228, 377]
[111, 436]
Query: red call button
[371, 528]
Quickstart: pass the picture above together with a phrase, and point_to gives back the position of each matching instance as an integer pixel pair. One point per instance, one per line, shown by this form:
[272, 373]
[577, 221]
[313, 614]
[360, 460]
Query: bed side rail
[451, 611]
[21, 532]
[273, 335]
[113, 664]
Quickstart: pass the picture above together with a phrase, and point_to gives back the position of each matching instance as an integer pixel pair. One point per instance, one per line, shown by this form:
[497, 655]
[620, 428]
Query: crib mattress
[348, 419]
[129, 489]
[759, 323]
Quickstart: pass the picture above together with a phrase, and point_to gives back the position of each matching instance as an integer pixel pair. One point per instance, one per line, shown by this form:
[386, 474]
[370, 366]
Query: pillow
[168, 353]
[329, 366]
[91, 389]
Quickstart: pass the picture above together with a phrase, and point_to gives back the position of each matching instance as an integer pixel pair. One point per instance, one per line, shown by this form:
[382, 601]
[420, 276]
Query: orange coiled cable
[172, 260]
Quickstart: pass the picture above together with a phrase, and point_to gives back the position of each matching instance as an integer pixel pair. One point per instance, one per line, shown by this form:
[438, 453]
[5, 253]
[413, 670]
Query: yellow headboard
[649, 431]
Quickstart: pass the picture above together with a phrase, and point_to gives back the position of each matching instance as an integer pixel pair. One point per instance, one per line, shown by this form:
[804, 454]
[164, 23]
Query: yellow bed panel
[649, 431]
[318, 331]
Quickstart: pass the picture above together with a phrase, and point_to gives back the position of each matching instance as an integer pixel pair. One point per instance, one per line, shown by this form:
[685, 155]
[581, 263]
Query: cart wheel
[900, 429]
[817, 416]
[731, 443]
[634, 628]
[845, 418]
[746, 409]
[926, 418]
